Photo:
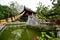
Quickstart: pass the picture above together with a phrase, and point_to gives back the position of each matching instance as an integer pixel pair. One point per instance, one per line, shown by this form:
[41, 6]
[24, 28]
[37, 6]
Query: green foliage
[45, 36]
[1, 15]
[13, 9]
[3, 12]
[55, 11]
[42, 11]
[6, 12]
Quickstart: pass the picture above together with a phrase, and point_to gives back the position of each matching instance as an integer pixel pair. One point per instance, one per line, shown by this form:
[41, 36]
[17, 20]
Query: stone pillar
[58, 32]
[32, 20]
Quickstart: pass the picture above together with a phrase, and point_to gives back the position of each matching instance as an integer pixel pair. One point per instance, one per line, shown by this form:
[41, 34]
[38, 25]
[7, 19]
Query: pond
[19, 33]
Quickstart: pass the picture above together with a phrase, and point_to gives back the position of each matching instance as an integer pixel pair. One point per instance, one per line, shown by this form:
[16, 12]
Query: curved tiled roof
[29, 10]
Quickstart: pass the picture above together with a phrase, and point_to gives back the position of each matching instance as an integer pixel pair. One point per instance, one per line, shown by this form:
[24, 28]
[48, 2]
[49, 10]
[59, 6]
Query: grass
[19, 33]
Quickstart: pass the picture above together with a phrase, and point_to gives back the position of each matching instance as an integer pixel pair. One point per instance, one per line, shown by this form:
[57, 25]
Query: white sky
[28, 3]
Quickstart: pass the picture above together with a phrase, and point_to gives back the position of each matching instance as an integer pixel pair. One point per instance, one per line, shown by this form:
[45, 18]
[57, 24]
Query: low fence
[45, 25]
[57, 21]
[52, 27]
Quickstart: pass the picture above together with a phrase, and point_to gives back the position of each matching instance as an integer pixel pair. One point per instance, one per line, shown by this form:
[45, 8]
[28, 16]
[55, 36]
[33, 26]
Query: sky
[32, 4]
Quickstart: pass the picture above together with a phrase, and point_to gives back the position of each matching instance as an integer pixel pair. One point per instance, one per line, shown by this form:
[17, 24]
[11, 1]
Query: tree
[1, 15]
[5, 12]
[42, 11]
[13, 8]
[55, 11]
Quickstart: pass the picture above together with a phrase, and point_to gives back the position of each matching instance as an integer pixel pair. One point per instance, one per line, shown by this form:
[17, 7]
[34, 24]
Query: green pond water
[19, 33]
